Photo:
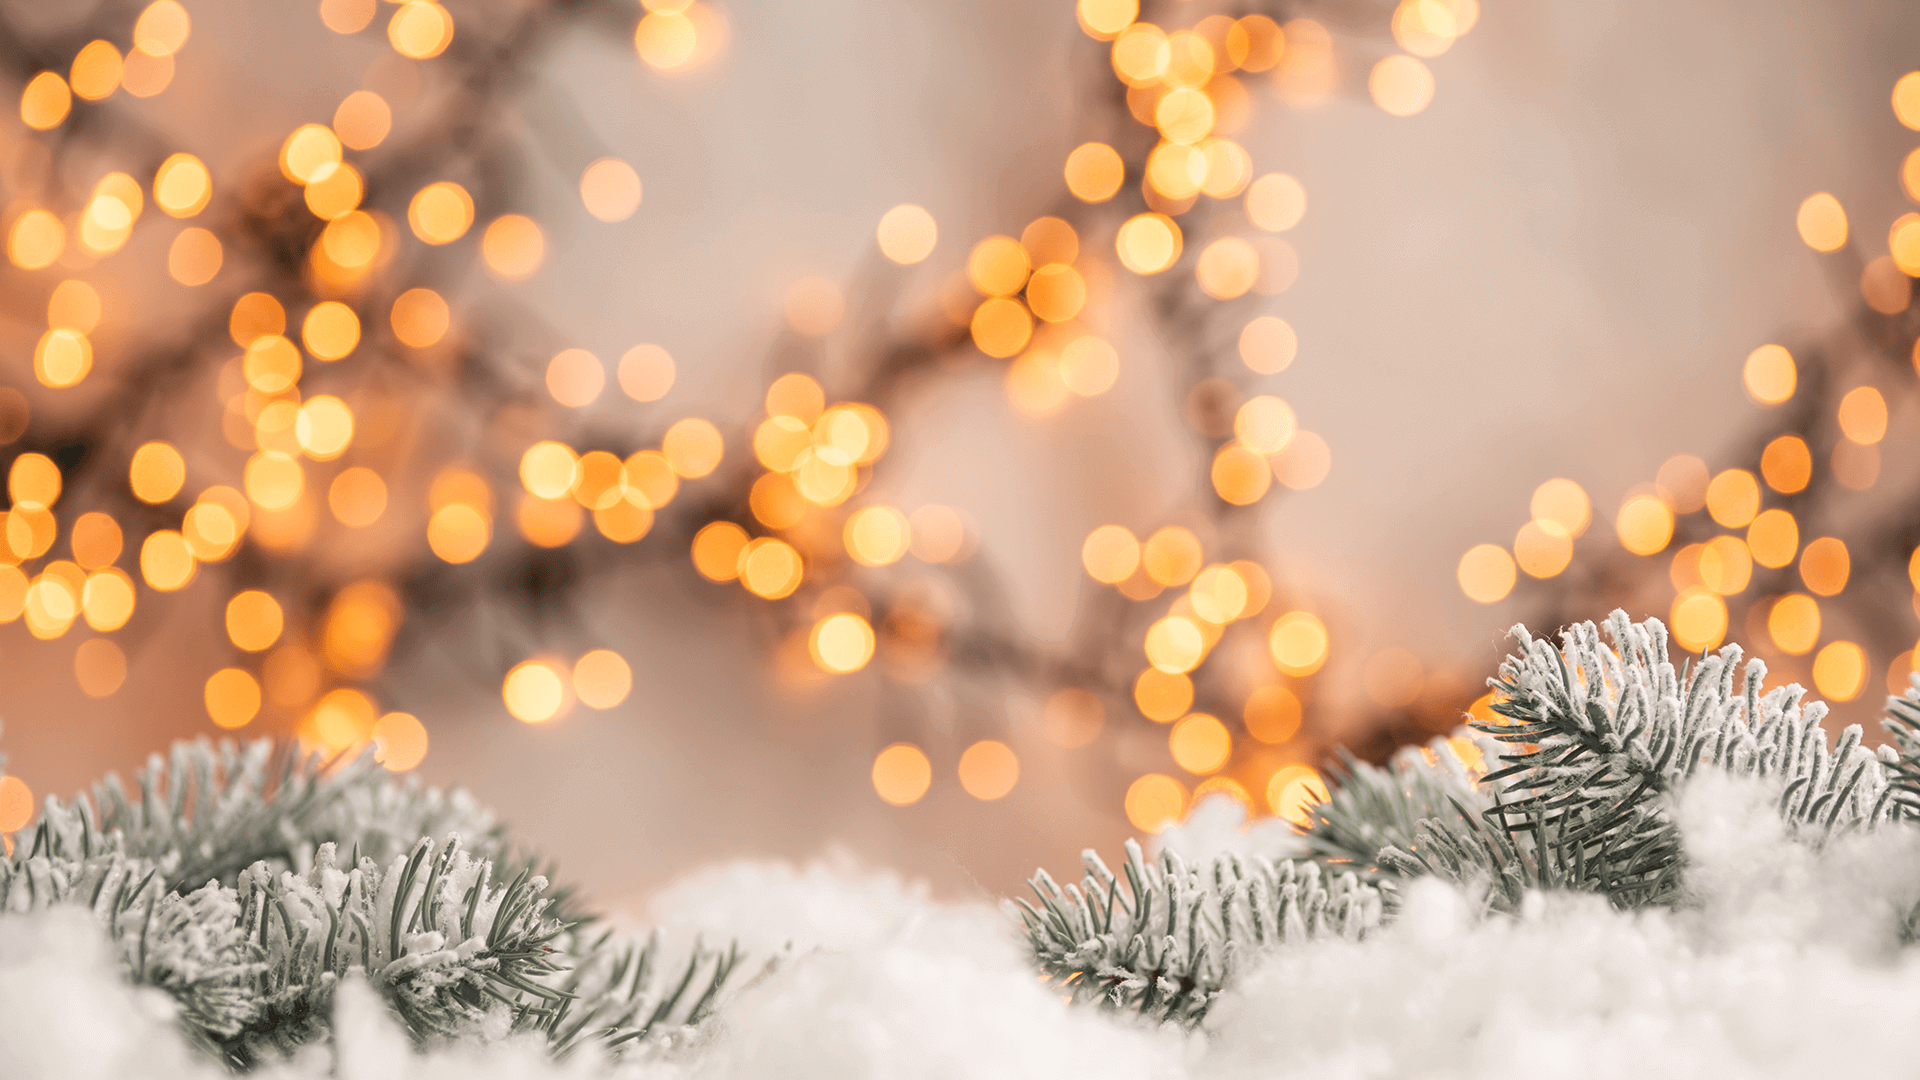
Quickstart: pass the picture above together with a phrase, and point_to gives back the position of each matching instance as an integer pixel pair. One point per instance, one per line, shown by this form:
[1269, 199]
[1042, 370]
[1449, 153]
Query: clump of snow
[947, 995]
[65, 1012]
[1786, 962]
[1787, 967]
[1217, 825]
[830, 902]
[874, 978]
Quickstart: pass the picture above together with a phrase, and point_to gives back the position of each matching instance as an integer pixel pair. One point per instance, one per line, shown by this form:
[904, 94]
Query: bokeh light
[1175, 645]
[1794, 623]
[1486, 573]
[1787, 464]
[841, 643]
[16, 804]
[901, 774]
[1227, 268]
[1770, 374]
[1298, 642]
[357, 497]
[1162, 696]
[1155, 801]
[440, 213]
[575, 378]
[907, 234]
[1304, 462]
[1863, 415]
[458, 533]
[1172, 556]
[1822, 222]
[1240, 476]
[1401, 85]
[1089, 366]
[420, 29]
[535, 691]
[1840, 670]
[166, 563]
[1148, 243]
[420, 318]
[254, 620]
[1276, 202]
[513, 246]
[1094, 172]
[610, 189]
[1293, 791]
[195, 257]
[232, 697]
[45, 101]
[1272, 714]
[1268, 345]
[399, 740]
[716, 550]
[1698, 620]
[1733, 498]
[877, 535]
[362, 119]
[602, 679]
[181, 186]
[99, 667]
[1825, 566]
[1773, 538]
[1644, 525]
[1200, 743]
[988, 770]
[1543, 548]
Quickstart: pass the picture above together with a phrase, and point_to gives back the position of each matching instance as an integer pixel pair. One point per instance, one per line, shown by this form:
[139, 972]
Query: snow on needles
[1785, 963]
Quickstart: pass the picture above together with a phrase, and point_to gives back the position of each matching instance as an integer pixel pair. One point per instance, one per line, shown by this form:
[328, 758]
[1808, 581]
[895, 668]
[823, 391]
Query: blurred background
[962, 433]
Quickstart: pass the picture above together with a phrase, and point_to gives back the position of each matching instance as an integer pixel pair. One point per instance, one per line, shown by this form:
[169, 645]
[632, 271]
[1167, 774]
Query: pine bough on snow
[248, 882]
[1597, 740]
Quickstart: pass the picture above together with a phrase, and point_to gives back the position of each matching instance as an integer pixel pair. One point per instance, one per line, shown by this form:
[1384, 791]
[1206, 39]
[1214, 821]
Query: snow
[1785, 962]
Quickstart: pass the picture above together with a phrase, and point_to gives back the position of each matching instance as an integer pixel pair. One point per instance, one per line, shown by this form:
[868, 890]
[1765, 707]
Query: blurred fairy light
[1745, 556]
[785, 511]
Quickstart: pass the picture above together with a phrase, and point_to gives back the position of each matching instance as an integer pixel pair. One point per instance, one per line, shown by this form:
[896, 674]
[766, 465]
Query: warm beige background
[1556, 269]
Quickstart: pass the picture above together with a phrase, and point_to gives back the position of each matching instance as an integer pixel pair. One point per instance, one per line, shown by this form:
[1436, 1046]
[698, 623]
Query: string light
[803, 514]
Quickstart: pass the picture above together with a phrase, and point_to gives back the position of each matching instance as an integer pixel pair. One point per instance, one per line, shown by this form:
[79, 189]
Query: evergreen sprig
[1600, 740]
[1165, 943]
[1371, 807]
[1603, 737]
[223, 885]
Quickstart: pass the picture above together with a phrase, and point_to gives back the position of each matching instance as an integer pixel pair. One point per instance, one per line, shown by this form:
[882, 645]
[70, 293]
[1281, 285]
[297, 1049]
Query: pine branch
[1903, 723]
[207, 812]
[254, 957]
[1166, 943]
[1604, 737]
[1372, 807]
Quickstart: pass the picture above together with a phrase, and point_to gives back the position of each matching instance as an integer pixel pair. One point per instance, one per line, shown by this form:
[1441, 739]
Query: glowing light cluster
[545, 689]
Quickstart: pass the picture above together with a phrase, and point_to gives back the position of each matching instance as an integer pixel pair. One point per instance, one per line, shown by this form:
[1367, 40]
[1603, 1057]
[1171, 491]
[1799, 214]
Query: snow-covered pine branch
[1165, 944]
[1602, 741]
[209, 811]
[1371, 807]
[224, 885]
[1603, 738]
